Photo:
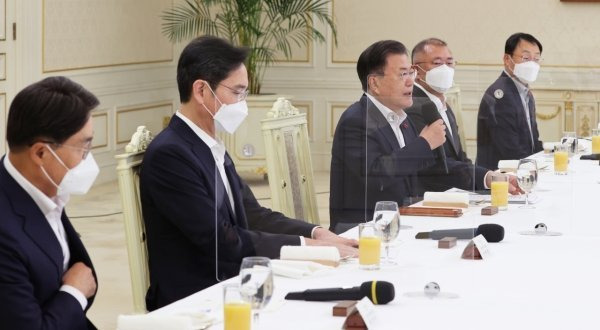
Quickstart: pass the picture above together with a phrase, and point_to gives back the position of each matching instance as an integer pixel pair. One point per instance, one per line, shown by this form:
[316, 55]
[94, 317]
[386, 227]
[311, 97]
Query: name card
[367, 311]
[482, 245]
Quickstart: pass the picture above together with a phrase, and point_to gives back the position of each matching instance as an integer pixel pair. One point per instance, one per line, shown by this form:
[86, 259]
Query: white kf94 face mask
[440, 78]
[229, 116]
[527, 71]
[79, 179]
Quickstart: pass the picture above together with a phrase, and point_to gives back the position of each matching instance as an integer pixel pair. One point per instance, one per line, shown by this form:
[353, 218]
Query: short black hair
[53, 109]
[513, 41]
[373, 59]
[420, 47]
[208, 58]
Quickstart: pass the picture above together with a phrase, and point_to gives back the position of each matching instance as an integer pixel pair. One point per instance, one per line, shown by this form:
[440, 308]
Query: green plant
[264, 26]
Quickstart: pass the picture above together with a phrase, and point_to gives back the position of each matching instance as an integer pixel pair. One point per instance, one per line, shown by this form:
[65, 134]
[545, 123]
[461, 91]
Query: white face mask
[229, 116]
[440, 78]
[526, 71]
[79, 179]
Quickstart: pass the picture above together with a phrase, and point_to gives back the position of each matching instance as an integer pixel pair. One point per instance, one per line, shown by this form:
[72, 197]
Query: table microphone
[492, 232]
[431, 114]
[380, 293]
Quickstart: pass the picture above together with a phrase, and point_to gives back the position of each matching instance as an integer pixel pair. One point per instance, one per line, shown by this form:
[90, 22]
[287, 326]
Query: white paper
[482, 245]
[367, 312]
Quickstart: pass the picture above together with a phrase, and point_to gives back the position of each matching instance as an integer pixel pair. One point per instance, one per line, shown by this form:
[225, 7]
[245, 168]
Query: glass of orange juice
[596, 141]
[561, 159]
[500, 191]
[369, 246]
[236, 311]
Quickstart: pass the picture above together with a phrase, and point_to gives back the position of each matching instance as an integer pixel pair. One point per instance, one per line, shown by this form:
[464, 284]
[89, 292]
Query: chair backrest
[289, 165]
[128, 168]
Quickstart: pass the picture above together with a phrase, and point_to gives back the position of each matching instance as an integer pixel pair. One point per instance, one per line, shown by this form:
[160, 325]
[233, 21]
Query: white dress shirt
[442, 109]
[217, 148]
[52, 209]
[440, 105]
[392, 117]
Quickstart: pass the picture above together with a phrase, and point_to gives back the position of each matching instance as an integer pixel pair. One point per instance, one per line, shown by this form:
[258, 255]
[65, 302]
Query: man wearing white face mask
[47, 280]
[435, 65]
[506, 124]
[201, 218]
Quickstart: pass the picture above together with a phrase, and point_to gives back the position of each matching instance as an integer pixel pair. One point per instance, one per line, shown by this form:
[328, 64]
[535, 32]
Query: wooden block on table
[355, 321]
[447, 242]
[489, 210]
[344, 308]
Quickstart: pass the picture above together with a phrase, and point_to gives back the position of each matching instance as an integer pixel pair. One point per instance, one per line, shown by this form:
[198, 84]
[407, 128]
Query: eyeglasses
[86, 149]
[527, 58]
[450, 62]
[412, 74]
[241, 95]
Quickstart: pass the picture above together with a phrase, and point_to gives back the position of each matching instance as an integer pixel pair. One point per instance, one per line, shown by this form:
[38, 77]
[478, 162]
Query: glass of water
[570, 139]
[386, 219]
[256, 284]
[527, 174]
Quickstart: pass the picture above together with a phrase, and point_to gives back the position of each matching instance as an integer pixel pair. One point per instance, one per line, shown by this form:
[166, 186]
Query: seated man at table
[377, 151]
[506, 124]
[47, 280]
[434, 63]
[201, 218]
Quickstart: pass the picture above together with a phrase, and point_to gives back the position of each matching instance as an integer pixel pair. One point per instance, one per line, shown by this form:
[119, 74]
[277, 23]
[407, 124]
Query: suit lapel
[454, 138]
[234, 182]
[35, 224]
[420, 96]
[207, 162]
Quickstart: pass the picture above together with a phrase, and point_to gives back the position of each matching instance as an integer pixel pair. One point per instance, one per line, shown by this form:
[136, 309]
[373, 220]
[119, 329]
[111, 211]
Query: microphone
[379, 292]
[492, 232]
[431, 114]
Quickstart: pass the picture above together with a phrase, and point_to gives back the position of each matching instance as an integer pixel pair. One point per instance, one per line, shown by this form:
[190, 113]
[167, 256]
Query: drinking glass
[596, 141]
[256, 281]
[369, 247]
[386, 219]
[500, 191]
[236, 310]
[527, 174]
[570, 139]
[561, 159]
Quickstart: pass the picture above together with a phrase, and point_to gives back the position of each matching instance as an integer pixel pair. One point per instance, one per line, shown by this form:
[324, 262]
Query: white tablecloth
[529, 282]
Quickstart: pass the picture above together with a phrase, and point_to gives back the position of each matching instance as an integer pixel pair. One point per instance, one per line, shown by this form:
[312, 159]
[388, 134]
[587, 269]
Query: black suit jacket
[31, 265]
[502, 130]
[182, 193]
[368, 165]
[462, 174]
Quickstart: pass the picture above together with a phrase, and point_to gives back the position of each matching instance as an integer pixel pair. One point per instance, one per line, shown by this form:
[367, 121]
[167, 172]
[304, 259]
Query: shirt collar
[216, 145]
[441, 106]
[387, 113]
[521, 87]
[43, 202]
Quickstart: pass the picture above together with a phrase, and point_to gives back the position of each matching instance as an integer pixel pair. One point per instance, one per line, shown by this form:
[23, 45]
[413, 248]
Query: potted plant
[265, 27]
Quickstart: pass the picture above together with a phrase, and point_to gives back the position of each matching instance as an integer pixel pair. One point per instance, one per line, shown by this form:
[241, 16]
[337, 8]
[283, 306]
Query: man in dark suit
[47, 280]
[377, 150]
[435, 64]
[201, 218]
[506, 124]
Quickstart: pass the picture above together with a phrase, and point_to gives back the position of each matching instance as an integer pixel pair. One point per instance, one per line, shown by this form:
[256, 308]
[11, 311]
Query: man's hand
[513, 185]
[323, 234]
[81, 278]
[434, 134]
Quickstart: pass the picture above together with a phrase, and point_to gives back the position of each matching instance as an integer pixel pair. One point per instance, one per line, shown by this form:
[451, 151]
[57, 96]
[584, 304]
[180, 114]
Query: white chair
[128, 168]
[289, 165]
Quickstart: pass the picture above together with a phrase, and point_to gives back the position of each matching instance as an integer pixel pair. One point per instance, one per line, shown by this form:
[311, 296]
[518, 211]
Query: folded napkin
[154, 322]
[326, 255]
[297, 268]
[446, 199]
[508, 165]
[549, 146]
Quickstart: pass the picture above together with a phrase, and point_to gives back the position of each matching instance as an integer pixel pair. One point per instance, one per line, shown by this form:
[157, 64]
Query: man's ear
[372, 85]
[38, 153]
[199, 90]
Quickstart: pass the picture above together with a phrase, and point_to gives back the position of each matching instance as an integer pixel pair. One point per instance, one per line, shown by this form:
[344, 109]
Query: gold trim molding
[549, 116]
[168, 103]
[103, 113]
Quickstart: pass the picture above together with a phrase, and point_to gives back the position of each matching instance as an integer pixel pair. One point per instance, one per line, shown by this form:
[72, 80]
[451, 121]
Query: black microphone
[431, 114]
[492, 232]
[380, 293]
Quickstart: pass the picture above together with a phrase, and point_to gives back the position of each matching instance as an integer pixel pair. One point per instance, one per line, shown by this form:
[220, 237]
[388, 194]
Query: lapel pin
[498, 93]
